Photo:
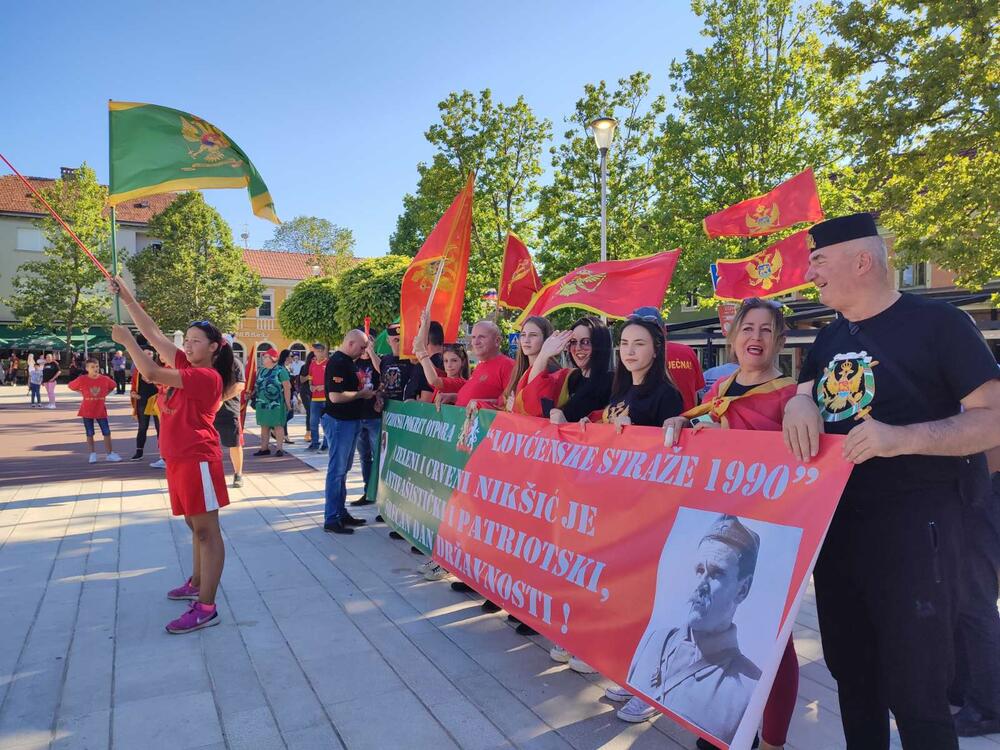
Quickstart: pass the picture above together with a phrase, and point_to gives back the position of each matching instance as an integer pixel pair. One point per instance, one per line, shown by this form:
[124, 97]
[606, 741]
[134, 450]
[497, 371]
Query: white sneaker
[636, 711]
[426, 566]
[158, 464]
[618, 694]
[559, 654]
[92, 459]
[578, 665]
[113, 457]
[51, 406]
[436, 573]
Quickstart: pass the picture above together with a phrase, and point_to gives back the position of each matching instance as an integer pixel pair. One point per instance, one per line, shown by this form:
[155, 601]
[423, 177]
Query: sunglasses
[199, 323]
[648, 318]
[579, 343]
[752, 302]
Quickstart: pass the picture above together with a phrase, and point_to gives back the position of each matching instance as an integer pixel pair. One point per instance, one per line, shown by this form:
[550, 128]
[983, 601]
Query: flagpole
[114, 240]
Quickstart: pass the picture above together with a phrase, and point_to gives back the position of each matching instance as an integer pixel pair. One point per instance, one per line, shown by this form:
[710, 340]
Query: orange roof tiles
[277, 264]
[15, 199]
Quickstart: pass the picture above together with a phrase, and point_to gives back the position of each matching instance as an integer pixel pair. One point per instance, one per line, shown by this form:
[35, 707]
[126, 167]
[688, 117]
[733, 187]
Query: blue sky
[329, 99]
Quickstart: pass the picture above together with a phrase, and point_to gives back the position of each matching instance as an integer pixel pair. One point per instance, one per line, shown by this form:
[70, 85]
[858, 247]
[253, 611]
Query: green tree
[370, 288]
[751, 110]
[62, 291]
[570, 207]
[309, 312]
[927, 122]
[329, 246]
[197, 273]
[502, 143]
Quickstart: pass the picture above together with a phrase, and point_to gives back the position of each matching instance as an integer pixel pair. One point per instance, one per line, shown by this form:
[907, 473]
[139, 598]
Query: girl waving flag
[189, 443]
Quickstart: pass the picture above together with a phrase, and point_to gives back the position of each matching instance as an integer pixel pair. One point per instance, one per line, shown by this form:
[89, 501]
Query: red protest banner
[634, 556]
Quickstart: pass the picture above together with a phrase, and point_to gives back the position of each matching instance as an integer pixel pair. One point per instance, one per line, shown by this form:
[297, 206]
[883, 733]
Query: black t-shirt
[367, 374]
[647, 408]
[738, 389]
[395, 375]
[911, 363]
[230, 408]
[418, 380]
[146, 389]
[49, 371]
[341, 376]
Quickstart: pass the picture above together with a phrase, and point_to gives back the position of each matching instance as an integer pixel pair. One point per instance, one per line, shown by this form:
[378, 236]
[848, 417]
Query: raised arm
[151, 371]
[157, 338]
[552, 347]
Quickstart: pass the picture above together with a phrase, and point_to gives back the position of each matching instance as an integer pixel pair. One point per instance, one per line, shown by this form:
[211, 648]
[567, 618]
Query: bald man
[913, 386]
[341, 425]
[492, 373]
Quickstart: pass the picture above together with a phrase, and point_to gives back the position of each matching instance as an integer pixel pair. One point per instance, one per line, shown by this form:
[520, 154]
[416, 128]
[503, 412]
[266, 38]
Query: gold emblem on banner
[521, 271]
[764, 269]
[211, 142]
[583, 282]
[763, 217]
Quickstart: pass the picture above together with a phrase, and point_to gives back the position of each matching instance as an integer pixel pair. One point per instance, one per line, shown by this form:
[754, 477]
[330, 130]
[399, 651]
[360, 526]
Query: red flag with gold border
[613, 287]
[777, 269]
[519, 280]
[448, 242]
[792, 202]
[250, 376]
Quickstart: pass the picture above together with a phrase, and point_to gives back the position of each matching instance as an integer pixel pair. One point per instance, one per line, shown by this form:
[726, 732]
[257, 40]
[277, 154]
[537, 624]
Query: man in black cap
[394, 373]
[912, 384]
[696, 668]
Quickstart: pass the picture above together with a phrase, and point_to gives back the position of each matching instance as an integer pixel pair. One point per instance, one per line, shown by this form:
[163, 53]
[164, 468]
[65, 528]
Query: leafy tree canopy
[197, 273]
[330, 247]
[64, 290]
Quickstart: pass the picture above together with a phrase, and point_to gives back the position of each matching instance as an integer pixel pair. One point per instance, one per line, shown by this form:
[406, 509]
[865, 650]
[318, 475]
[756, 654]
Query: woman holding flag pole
[753, 398]
[196, 480]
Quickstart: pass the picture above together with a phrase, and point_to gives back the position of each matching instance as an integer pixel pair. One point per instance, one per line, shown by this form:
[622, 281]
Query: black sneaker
[395, 535]
[363, 500]
[489, 606]
[262, 452]
[460, 586]
[337, 528]
[137, 456]
[969, 722]
[416, 550]
[706, 745]
[379, 519]
[349, 520]
[279, 452]
[523, 629]
[237, 480]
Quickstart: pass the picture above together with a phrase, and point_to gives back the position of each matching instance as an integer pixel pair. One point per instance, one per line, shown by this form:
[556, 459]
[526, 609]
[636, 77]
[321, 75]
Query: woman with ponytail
[193, 385]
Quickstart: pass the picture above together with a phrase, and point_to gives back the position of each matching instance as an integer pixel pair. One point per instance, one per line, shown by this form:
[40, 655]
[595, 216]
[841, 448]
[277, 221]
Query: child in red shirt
[192, 388]
[455, 360]
[95, 387]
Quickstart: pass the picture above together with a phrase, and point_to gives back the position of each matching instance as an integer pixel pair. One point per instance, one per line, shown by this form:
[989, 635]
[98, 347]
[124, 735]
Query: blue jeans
[368, 446]
[317, 419]
[35, 389]
[342, 436]
[102, 422]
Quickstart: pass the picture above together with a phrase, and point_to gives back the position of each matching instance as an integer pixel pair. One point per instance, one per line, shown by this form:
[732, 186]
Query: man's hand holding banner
[674, 571]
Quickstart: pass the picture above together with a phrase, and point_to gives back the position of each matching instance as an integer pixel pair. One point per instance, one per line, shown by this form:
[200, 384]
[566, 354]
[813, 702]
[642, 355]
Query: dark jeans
[120, 381]
[306, 407]
[886, 582]
[368, 446]
[977, 642]
[342, 436]
[318, 422]
[140, 435]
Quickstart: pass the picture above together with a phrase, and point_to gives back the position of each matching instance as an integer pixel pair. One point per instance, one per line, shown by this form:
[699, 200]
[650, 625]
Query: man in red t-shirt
[317, 376]
[488, 380]
[95, 387]
[685, 371]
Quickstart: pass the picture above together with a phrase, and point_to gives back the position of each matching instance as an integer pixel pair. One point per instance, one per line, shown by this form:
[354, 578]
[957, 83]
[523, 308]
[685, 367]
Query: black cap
[392, 329]
[841, 229]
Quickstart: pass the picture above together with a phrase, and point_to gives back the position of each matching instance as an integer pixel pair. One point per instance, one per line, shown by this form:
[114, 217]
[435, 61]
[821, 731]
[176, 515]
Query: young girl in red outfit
[189, 443]
[95, 387]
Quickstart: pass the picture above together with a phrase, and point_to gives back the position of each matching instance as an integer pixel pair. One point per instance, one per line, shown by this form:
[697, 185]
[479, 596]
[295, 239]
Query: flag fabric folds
[613, 287]
[448, 243]
[792, 202]
[159, 150]
[519, 280]
[775, 270]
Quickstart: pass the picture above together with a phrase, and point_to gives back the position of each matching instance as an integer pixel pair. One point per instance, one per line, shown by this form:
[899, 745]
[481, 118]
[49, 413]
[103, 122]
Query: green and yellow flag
[159, 150]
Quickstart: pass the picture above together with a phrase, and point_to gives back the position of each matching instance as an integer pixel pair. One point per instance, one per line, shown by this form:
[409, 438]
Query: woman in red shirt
[189, 443]
[534, 333]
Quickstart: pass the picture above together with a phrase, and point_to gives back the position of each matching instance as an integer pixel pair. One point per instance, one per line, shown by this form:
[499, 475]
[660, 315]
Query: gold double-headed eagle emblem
[211, 142]
[764, 269]
[763, 218]
[582, 282]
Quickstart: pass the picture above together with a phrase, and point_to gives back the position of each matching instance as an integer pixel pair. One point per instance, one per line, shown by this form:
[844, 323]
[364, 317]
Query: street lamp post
[604, 133]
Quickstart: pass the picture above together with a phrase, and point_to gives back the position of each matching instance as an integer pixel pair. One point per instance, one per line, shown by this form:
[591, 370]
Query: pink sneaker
[187, 591]
[194, 619]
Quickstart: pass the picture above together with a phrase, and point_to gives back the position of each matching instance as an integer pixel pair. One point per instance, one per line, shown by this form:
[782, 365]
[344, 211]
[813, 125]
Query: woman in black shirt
[50, 372]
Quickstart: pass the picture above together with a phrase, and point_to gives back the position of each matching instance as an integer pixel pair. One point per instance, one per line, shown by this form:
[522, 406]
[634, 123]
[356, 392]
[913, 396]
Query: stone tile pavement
[326, 641]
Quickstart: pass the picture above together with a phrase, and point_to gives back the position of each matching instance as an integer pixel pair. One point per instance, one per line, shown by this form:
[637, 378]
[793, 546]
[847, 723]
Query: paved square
[325, 642]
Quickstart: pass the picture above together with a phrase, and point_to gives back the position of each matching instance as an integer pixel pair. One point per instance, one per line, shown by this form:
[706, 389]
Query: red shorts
[196, 487]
